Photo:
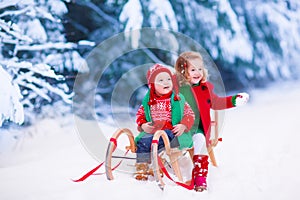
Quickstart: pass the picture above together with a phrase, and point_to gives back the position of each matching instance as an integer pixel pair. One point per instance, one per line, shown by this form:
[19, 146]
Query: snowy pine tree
[35, 57]
[250, 46]
[249, 43]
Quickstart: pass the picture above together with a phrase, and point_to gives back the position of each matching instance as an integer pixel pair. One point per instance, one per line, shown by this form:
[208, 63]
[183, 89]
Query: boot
[200, 172]
[141, 173]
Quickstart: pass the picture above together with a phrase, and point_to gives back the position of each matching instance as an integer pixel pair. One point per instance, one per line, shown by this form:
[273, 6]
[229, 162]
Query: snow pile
[257, 158]
[10, 106]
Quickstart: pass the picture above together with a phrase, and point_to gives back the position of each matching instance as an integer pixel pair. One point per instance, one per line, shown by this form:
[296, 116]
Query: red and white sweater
[162, 117]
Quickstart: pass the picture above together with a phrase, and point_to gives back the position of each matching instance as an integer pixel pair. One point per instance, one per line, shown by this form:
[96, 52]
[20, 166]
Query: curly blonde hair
[182, 63]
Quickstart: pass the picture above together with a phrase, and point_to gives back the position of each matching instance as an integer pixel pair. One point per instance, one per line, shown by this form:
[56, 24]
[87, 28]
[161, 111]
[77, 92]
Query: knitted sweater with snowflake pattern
[162, 115]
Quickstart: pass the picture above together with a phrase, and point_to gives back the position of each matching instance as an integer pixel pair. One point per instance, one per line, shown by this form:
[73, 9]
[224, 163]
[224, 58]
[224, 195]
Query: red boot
[200, 172]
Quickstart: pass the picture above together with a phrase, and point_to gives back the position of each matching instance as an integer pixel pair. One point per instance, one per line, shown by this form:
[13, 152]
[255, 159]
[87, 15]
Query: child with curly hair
[199, 93]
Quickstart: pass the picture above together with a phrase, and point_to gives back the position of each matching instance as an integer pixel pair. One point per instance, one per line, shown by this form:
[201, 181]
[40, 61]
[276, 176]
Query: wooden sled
[174, 154]
[112, 145]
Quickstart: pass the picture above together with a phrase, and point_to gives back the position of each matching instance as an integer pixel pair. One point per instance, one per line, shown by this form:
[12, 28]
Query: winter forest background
[78, 66]
[45, 44]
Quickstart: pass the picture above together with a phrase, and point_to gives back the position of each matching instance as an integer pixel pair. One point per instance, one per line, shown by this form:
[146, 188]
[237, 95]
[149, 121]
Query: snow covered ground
[258, 158]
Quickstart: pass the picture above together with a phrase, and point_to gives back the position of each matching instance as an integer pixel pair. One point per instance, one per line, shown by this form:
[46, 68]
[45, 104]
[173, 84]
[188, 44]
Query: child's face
[163, 83]
[195, 71]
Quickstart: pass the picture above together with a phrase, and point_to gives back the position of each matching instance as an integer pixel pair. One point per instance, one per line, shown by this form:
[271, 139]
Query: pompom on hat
[152, 73]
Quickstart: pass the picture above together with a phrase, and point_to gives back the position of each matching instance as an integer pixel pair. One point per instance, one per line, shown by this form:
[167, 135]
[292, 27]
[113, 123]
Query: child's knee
[199, 144]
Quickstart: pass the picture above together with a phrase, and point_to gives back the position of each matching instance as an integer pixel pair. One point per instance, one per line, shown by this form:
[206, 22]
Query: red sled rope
[92, 172]
[186, 186]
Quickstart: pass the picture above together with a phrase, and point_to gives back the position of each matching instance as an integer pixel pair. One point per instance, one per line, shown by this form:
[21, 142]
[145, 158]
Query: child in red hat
[198, 92]
[163, 108]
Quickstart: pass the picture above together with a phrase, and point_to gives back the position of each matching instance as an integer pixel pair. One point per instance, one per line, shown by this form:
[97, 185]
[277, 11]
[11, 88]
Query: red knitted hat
[152, 73]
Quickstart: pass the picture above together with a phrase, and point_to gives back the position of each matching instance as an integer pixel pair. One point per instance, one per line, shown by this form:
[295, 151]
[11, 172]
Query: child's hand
[178, 129]
[241, 99]
[147, 127]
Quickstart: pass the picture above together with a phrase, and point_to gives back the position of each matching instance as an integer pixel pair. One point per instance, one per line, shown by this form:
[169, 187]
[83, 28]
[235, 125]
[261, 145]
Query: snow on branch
[38, 85]
[50, 45]
[133, 21]
[162, 14]
[42, 69]
[35, 57]
[42, 88]
[21, 80]
[15, 12]
[58, 7]
[13, 30]
[71, 61]
[5, 4]
[31, 11]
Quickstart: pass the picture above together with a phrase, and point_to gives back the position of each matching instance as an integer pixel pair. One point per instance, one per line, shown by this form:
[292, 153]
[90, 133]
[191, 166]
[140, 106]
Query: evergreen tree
[35, 58]
[251, 45]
